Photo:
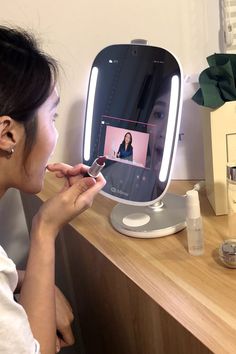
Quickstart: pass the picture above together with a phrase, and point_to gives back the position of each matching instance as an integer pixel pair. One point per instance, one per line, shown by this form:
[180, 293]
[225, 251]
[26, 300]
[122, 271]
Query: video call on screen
[111, 137]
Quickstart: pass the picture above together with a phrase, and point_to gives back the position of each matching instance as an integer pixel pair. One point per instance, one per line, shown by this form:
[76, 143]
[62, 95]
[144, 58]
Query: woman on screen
[126, 149]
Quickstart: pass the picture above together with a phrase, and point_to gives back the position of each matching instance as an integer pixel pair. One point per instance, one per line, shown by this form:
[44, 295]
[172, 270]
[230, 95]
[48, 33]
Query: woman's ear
[9, 133]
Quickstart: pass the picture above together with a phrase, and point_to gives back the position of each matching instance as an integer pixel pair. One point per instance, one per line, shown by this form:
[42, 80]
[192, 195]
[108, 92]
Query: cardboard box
[219, 140]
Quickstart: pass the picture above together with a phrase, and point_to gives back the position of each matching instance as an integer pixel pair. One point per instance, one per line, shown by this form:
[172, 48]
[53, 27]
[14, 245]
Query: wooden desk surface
[198, 292]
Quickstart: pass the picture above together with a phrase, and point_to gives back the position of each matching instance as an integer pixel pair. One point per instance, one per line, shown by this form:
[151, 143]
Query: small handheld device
[96, 167]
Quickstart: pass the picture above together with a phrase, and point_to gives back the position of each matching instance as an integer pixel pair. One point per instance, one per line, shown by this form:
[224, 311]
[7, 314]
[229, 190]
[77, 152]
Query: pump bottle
[194, 224]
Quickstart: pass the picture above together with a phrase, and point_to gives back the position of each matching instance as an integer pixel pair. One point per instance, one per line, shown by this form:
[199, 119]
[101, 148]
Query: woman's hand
[64, 318]
[71, 173]
[76, 196]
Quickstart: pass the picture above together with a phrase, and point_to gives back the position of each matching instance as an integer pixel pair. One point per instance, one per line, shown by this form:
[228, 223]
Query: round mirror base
[150, 221]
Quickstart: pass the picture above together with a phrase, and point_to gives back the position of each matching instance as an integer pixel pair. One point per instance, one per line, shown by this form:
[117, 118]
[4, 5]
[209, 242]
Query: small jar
[227, 252]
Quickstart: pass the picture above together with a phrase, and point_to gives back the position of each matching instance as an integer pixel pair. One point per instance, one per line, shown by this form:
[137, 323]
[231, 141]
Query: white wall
[74, 31]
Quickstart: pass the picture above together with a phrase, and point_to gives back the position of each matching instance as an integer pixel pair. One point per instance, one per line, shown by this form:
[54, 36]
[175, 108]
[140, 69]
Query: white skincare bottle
[231, 194]
[194, 224]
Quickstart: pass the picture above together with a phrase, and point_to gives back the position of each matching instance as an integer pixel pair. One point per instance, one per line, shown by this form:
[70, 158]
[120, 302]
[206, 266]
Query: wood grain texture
[196, 292]
[116, 316]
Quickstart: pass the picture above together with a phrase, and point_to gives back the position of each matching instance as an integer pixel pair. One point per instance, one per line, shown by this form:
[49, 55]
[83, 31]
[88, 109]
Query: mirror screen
[133, 113]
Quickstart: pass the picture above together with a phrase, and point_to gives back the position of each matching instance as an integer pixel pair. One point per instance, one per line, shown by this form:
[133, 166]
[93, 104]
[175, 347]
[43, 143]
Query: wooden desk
[138, 296]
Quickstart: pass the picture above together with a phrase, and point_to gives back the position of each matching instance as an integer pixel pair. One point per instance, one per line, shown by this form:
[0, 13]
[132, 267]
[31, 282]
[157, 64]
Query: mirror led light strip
[170, 131]
[89, 114]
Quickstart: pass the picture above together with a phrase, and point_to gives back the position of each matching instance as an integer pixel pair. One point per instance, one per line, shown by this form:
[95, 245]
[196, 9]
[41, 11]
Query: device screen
[130, 115]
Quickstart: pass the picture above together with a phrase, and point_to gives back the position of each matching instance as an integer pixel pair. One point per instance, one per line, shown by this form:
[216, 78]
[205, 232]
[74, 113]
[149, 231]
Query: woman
[28, 105]
[126, 149]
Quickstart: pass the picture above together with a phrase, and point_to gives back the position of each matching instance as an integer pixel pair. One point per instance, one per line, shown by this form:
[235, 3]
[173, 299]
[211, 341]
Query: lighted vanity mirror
[132, 117]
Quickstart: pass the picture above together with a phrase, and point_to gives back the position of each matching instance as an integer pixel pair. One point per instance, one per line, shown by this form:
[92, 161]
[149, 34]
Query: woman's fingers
[80, 168]
[73, 174]
[58, 344]
[66, 336]
[58, 167]
[72, 200]
[80, 195]
[64, 318]
[63, 169]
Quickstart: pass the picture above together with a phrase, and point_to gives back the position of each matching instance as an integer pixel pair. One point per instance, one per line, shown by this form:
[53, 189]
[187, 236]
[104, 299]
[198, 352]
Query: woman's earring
[10, 152]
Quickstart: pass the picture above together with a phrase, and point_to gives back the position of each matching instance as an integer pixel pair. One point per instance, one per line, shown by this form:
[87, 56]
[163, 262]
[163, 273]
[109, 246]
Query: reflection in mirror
[132, 117]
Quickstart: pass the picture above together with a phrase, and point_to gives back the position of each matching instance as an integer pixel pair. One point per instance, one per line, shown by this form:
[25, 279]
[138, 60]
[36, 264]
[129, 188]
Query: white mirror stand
[161, 219]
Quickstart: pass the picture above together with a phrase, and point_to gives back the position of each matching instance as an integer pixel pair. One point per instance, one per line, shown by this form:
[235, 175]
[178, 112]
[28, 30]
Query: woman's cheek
[54, 141]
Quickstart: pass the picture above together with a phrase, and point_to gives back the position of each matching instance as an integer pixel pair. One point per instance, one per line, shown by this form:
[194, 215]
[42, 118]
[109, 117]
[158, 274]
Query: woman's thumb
[81, 186]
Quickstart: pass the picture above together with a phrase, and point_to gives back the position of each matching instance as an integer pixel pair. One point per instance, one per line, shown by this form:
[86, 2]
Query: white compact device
[133, 117]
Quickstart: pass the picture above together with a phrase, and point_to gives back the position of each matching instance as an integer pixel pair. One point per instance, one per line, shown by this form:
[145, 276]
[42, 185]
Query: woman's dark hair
[27, 78]
[130, 143]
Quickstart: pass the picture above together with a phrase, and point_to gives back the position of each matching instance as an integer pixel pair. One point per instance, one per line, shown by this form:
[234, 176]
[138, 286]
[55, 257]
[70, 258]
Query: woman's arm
[64, 314]
[38, 292]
